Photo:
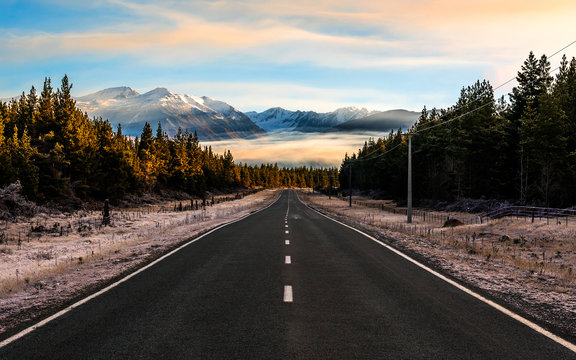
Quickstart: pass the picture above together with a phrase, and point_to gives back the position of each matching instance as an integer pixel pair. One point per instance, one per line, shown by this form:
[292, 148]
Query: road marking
[286, 232]
[288, 260]
[286, 242]
[126, 278]
[286, 225]
[288, 293]
[489, 302]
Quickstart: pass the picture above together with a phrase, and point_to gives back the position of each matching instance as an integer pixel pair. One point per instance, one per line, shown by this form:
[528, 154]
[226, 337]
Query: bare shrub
[13, 205]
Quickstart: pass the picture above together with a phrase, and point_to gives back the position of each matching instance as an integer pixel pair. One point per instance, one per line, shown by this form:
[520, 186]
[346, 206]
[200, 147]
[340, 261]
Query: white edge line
[498, 307]
[126, 278]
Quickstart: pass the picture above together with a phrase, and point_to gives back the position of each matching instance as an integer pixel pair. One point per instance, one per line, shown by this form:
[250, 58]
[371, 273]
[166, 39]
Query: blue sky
[296, 54]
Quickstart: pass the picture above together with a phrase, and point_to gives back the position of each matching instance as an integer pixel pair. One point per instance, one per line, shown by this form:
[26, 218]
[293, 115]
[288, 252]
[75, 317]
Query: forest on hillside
[59, 155]
[521, 149]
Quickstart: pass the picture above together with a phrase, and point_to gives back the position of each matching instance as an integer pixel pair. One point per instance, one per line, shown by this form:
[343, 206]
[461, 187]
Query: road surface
[284, 283]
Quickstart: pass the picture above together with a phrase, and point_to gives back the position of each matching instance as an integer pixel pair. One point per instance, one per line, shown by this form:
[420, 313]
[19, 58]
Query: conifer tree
[4, 153]
[146, 140]
[46, 120]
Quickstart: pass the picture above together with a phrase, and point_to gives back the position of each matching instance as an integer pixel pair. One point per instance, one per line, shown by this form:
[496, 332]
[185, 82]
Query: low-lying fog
[294, 148]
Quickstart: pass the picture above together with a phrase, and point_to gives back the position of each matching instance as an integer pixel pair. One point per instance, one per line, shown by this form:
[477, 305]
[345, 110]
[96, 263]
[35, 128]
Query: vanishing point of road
[284, 283]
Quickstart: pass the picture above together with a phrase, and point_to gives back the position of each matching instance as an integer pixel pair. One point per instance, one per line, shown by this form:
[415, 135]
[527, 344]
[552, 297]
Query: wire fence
[533, 213]
[424, 215]
[528, 213]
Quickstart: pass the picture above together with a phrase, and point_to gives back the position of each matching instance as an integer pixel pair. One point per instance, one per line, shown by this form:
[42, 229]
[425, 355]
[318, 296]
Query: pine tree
[32, 112]
[533, 80]
[5, 161]
[544, 143]
[46, 117]
[146, 140]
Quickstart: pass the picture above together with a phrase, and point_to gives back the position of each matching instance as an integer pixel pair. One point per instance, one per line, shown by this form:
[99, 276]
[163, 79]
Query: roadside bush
[13, 204]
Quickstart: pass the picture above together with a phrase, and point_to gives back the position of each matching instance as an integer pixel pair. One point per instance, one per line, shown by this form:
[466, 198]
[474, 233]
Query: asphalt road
[227, 296]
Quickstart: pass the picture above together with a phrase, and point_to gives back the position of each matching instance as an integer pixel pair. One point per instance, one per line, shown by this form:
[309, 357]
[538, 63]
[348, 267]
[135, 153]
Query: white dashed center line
[287, 232]
[288, 260]
[286, 242]
[288, 293]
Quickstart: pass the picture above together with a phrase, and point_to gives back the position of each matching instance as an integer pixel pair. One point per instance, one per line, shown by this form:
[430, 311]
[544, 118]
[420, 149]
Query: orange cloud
[411, 33]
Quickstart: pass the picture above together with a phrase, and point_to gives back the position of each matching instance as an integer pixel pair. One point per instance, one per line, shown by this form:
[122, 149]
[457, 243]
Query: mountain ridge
[381, 121]
[213, 119]
[351, 119]
[126, 106]
[280, 119]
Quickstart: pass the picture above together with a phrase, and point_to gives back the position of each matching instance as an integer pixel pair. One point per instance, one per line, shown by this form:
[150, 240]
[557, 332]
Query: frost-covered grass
[50, 244]
[48, 268]
[545, 247]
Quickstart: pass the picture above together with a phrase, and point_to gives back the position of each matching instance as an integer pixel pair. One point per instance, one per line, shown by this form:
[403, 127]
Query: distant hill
[279, 119]
[211, 119]
[381, 121]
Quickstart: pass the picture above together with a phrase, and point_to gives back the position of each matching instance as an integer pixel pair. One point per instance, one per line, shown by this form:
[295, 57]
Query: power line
[549, 57]
[456, 118]
[409, 196]
[565, 47]
[366, 158]
[506, 82]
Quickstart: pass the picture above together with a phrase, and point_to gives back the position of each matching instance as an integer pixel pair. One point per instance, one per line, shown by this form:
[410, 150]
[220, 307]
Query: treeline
[60, 155]
[522, 150]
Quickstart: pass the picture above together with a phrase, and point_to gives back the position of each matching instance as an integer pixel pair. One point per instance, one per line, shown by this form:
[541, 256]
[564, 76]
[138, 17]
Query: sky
[298, 54]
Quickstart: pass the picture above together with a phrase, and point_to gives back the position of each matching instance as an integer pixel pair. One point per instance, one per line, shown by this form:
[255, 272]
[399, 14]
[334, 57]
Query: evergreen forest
[520, 149]
[59, 155]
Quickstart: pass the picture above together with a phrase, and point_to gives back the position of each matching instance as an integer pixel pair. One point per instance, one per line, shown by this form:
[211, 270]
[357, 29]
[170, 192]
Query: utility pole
[409, 210]
[350, 184]
[330, 188]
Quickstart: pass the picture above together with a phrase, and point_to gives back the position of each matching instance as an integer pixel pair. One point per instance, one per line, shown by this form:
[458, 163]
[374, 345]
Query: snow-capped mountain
[381, 121]
[215, 120]
[116, 93]
[211, 119]
[278, 119]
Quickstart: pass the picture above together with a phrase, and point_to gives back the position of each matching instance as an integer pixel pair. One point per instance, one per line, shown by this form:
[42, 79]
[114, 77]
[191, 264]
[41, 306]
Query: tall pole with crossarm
[350, 184]
[409, 210]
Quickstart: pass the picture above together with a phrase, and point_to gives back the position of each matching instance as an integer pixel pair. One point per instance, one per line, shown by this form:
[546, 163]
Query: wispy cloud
[439, 40]
[279, 32]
